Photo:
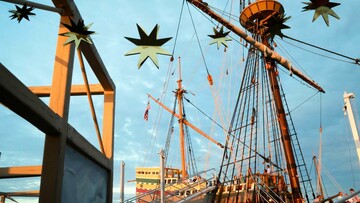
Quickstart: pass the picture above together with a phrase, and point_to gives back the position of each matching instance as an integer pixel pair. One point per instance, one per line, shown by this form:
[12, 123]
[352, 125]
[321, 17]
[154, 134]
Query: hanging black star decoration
[21, 13]
[219, 37]
[77, 32]
[148, 46]
[274, 26]
[323, 8]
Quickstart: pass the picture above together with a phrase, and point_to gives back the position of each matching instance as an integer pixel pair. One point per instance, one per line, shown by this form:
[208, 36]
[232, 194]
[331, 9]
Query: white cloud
[127, 127]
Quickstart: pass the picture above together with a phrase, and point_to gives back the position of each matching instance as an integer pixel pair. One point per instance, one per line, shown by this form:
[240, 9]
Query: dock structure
[66, 152]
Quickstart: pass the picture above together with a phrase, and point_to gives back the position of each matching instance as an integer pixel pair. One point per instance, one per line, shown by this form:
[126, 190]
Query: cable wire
[178, 27]
[210, 20]
[305, 102]
[356, 60]
[197, 37]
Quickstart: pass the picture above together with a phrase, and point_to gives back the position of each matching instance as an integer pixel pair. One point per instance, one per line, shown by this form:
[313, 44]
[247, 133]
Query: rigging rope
[197, 37]
[210, 20]
[170, 132]
[312, 164]
[227, 14]
[325, 56]
[223, 11]
[319, 182]
[297, 79]
[349, 147]
[158, 117]
[177, 30]
[231, 7]
[332, 179]
[320, 113]
[191, 157]
[204, 114]
[229, 133]
[290, 56]
[305, 102]
[356, 60]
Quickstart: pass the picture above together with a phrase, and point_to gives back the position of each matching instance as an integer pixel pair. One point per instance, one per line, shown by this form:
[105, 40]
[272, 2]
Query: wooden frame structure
[52, 119]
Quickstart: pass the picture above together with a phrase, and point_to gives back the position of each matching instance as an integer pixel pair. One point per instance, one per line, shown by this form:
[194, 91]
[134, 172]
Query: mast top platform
[253, 17]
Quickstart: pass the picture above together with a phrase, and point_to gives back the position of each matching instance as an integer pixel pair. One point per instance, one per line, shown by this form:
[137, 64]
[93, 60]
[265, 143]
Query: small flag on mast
[146, 114]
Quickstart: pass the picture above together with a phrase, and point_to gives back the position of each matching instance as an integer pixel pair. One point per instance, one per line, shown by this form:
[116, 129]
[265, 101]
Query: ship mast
[253, 17]
[284, 130]
[179, 93]
[260, 46]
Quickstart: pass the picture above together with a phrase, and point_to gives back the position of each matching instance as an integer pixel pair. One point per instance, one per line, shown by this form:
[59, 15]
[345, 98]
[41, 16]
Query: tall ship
[262, 160]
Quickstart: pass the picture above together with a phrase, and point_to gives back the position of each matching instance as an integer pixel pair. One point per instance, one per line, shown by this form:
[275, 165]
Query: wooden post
[54, 149]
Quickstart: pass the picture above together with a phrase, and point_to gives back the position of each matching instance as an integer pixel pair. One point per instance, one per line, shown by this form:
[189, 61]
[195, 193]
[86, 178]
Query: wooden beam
[108, 123]
[76, 90]
[108, 133]
[97, 65]
[20, 171]
[54, 149]
[89, 50]
[18, 98]
[69, 8]
[30, 193]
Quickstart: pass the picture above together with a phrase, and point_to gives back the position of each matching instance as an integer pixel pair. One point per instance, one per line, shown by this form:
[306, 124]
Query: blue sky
[27, 50]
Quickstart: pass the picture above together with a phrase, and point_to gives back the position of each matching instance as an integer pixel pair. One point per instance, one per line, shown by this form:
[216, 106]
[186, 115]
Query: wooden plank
[18, 98]
[76, 90]
[20, 171]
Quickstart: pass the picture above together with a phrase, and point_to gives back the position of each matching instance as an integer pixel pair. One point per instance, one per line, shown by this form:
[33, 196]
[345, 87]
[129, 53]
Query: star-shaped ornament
[21, 13]
[148, 46]
[219, 37]
[77, 32]
[323, 8]
[274, 25]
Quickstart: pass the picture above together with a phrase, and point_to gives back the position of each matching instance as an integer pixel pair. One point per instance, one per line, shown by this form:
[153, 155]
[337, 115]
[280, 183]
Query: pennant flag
[146, 114]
